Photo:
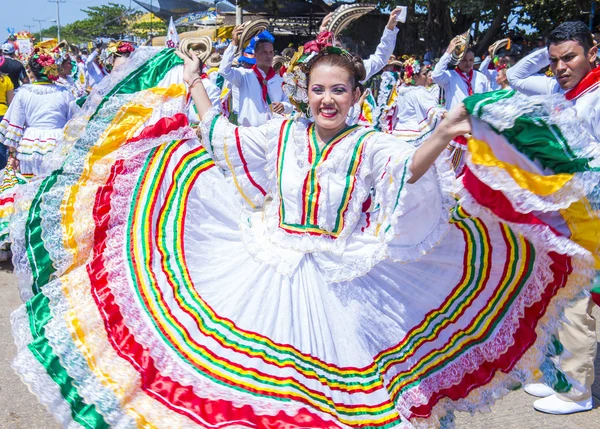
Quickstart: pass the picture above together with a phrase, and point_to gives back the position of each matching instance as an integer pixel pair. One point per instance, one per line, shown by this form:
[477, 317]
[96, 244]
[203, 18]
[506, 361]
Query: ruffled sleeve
[532, 165]
[13, 123]
[410, 219]
[241, 151]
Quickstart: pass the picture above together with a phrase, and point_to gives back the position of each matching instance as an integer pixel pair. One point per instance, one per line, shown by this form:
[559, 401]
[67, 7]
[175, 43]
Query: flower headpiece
[295, 81]
[412, 67]
[502, 67]
[48, 60]
[119, 48]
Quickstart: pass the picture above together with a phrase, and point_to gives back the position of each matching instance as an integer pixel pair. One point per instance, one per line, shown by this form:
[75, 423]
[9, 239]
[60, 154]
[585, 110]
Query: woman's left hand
[456, 122]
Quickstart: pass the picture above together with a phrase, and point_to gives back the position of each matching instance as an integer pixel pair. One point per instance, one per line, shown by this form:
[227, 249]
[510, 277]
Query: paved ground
[19, 409]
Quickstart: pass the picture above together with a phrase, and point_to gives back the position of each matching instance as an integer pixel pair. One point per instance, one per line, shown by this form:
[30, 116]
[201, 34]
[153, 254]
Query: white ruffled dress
[34, 122]
[251, 279]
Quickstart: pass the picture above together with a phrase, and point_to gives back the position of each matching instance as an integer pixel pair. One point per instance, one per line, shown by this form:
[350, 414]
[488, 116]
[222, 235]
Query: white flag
[172, 36]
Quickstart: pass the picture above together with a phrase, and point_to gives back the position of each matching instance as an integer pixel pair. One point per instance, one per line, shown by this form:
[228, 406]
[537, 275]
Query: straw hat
[214, 60]
[251, 29]
[279, 61]
[496, 46]
[463, 43]
[346, 14]
[202, 46]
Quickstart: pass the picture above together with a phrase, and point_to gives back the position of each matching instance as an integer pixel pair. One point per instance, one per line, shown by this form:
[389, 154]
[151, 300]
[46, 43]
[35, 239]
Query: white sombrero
[251, 29]
[202, 46]
[464, 40]
[346, 14]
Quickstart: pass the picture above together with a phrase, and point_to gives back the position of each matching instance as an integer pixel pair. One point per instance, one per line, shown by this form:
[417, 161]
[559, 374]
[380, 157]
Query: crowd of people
[216, 235]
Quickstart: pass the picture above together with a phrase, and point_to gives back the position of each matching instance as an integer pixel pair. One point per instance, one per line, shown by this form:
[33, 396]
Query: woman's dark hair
[336, 57]
[36, 68]
[573, 30]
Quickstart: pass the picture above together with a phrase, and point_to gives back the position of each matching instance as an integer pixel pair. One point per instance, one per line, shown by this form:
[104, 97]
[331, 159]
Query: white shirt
[415, 104]
[490, 74]
[374, 64]
[94, 72]
[524, 77]
[455, 87]
[252, 109]
[382, 54]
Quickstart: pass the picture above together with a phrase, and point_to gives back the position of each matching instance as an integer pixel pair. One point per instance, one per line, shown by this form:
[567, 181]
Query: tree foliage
[543, 15]
[431, 23]
[113, 21]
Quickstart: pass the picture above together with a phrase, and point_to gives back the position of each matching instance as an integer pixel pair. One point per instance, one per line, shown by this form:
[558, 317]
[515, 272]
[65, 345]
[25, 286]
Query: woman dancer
[36, 117]
[165, 294]
[416, 110]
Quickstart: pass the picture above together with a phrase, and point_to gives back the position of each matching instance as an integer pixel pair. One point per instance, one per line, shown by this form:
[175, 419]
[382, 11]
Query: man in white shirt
[260, 88]
[571, 54]
[95, 71]
[506, 60]
[463, 80]
[379, 59]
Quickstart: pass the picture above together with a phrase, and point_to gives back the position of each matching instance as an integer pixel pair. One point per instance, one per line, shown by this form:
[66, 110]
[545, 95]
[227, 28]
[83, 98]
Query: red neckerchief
[590, 82]
[466, 79]
[263, 81]
[100, 66]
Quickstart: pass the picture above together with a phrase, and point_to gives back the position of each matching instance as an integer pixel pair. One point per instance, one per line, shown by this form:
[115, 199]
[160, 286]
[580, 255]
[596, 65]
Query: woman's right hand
[191, 66]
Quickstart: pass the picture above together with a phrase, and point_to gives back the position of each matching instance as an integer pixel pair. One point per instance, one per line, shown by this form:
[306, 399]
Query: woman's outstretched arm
[191, 76]
[455, 123]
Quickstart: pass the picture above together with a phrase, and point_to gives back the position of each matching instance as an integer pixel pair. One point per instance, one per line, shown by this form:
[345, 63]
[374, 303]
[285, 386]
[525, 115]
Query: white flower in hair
[295, 85]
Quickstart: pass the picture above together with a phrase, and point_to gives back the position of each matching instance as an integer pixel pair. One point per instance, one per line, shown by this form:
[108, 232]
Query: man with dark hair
[463, 80]
[260, 88]
[571, 54]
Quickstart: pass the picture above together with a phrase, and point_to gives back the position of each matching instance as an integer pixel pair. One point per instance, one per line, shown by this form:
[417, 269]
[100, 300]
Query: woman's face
[65, 68]
[421, 77]
[429, 77]
[501, 77]
[330, 96]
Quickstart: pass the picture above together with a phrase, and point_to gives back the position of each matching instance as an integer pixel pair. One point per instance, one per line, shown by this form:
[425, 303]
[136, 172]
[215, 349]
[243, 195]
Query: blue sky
[23, 12]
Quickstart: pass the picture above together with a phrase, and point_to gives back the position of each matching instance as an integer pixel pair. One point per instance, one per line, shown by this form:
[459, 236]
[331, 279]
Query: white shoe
[554, 405]
[539, 390]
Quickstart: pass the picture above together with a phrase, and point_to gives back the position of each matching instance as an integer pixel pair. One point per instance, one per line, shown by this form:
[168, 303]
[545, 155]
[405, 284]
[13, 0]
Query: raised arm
[385, 49]
[225, 69]
[483, 67]
[90, 59]
[455, 123]
[191, 76]
[524, 78]
[441, 74]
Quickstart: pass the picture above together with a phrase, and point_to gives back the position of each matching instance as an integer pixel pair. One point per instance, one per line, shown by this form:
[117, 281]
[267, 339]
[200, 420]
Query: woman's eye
[317, 90]
[339, 90]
